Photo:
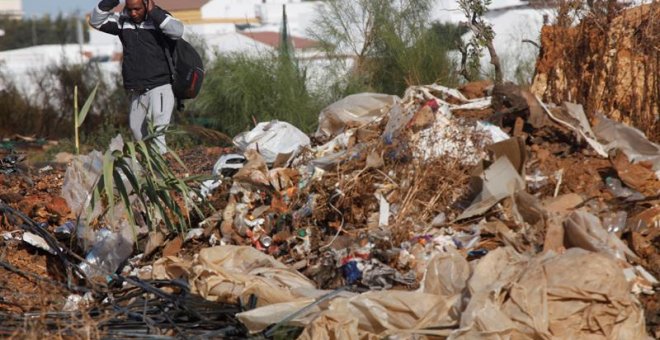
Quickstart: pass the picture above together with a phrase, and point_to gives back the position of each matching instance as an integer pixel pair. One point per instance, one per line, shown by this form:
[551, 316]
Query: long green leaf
[130, 147]
[178, 160]
[88, 104]
[126, 170]
[174, 208]
[144, 151]
[108, 168]
[137, 189]
[123, 193]
[152, 193]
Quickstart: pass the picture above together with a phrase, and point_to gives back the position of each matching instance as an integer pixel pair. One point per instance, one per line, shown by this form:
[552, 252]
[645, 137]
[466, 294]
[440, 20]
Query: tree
[482, 36]
[393, 42]
[46, 30]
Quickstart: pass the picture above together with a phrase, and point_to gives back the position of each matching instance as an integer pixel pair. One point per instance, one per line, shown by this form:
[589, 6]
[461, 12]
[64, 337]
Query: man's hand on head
[107, 5]
[150, 5]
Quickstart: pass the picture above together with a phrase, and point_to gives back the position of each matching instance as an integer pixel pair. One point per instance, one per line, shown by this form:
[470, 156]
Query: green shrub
[394, 42]
[47, 112]
[138, 170]
[240, 90]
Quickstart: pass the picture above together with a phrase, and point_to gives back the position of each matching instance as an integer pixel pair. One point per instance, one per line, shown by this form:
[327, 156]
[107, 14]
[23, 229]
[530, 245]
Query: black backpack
[186, 67]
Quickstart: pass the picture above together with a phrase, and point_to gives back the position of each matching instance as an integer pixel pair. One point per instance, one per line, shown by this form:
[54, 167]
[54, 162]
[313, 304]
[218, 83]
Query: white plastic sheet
[272, 139]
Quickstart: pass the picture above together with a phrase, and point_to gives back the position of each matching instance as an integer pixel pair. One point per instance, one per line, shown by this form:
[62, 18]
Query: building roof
[273, 39]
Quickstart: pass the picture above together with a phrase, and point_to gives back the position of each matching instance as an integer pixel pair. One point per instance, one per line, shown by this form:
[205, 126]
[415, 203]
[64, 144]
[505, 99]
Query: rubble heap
[443, 213]
[457, 213]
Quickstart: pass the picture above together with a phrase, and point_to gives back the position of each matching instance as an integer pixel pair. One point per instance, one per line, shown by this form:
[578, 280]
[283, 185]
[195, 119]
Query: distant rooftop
[273, 39]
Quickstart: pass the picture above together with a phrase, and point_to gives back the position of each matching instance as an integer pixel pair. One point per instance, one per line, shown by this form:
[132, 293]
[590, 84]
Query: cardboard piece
[513, 149]
[500, 180]
[636, 176]
[255, 170]
[586, 134]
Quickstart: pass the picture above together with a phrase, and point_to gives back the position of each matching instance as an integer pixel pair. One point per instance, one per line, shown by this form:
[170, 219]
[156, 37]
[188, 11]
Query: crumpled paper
[230, 273]
[575, 295]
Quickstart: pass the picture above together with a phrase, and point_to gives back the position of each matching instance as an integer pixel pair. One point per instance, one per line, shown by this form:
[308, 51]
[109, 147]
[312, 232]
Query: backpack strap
[170, 64]
[168, 53]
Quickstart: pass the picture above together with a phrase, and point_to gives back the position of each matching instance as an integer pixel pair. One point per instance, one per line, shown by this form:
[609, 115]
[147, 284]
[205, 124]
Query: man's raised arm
[103, 19]
[169, 25]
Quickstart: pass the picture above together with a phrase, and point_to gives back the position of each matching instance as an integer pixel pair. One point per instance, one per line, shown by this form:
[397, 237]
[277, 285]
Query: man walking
[143, 29]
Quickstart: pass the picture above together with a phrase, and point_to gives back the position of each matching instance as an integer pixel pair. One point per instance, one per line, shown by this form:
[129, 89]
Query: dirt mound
[608, 63]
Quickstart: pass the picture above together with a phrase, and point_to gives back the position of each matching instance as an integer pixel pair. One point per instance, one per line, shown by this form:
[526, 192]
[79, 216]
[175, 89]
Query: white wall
[11, 6]
[97, 37]
[301, 15]
[208, 29]
[234, 42]
[241, 8]
[221, 9]
[22, 64]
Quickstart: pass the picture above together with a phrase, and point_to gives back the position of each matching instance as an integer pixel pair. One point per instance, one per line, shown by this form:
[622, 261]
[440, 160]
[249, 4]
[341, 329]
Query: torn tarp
[233, 273]
[575, 295]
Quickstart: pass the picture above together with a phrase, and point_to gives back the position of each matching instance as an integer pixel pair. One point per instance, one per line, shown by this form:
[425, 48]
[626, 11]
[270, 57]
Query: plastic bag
[272, 139]
[357, 109]
[108, 253]
[80, 178]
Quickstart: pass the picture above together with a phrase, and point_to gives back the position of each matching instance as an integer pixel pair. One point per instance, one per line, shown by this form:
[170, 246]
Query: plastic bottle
[68, 228]
[616, 222]
[618, 190]
[107, 254]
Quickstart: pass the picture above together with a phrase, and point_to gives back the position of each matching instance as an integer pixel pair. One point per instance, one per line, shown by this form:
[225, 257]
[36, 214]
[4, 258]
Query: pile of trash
[455, 213]
[476, 212]
[411, 215]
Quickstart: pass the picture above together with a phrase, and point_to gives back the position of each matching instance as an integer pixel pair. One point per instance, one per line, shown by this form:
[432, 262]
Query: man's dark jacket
[144, 64]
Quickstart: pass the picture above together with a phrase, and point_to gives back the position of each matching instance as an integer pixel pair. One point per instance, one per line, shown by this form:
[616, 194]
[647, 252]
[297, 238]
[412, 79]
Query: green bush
[240, 90]
[42, 30]
[48, 112]
[394, 42]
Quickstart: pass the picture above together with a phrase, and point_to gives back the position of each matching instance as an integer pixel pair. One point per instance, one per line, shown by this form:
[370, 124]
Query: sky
[53, 7]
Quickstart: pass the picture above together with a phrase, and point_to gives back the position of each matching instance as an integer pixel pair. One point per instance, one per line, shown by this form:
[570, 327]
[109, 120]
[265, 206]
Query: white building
[13, 8]
[25, 66]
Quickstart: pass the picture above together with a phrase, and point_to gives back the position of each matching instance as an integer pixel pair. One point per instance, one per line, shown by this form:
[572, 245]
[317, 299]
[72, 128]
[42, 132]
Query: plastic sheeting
[586, 231]
[506, 295]
[631, 141]
[230, 273]
[354, 110]
[272, 139]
